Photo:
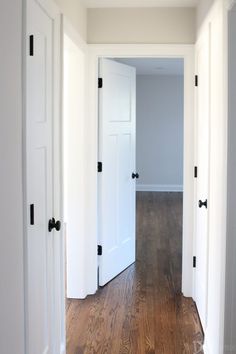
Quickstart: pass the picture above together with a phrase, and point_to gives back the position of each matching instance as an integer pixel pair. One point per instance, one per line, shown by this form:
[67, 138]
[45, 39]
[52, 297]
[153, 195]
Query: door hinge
[194, 261]
[196, 80]
[31, 45]
[31, 214]
[195, 171]
[99, 250]
[99, 166]
[100, 82]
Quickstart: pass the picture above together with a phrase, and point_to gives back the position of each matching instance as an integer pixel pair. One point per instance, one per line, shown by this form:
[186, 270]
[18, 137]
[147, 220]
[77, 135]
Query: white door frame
[143, 51]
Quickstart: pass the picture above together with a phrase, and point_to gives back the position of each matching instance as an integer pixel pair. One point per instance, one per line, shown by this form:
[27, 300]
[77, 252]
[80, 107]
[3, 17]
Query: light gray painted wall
[141, 25]
[160, 132]
[76, 14]
[202, 10]
[11, 194]
[230, 300]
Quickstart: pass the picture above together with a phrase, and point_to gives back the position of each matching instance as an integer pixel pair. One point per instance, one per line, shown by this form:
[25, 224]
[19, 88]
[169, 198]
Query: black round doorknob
[201, 204]
[53, 224]
[135, 175]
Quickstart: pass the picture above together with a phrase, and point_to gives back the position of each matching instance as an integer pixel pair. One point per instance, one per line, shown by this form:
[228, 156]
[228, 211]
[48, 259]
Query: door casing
[185, 52]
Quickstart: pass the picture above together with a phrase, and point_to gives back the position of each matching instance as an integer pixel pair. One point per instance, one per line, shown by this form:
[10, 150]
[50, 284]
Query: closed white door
[117, 105]
[42, 196]
[201, 276]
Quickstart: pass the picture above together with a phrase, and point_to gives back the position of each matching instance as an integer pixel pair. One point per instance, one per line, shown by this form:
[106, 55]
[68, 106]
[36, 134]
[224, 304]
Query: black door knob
[53, 224]
[135, 175]
[201, 204]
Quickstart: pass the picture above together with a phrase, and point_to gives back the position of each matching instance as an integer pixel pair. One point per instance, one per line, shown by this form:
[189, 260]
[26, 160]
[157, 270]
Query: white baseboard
[206, 348]
[63, 348]
[159, 188]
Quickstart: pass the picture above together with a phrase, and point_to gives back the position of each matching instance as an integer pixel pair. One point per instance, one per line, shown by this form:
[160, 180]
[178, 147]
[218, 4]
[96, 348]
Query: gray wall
[230, 300]
[203, 9]
[141, 25]
[160, 132]
[76, 13]
[11, 194]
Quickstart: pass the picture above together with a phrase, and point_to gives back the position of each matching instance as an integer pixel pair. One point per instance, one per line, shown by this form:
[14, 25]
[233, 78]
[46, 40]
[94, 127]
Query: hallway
[142, 310]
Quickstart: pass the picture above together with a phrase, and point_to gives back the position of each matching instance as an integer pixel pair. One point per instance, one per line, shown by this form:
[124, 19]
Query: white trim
[147, 51]
[77, 280]
[159, 188]
[206, 347]
[63, 349]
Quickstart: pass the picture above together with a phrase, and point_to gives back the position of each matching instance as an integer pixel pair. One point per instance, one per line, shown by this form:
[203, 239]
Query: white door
[42, 187]
[201, 275]
[117, 116]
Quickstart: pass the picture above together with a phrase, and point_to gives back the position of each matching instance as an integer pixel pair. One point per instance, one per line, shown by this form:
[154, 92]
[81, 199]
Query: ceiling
[155, 66]
[140, 3]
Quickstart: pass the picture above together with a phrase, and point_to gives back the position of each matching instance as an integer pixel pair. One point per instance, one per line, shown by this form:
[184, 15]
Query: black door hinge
[31, 45]
[31, 214]
[196, 80]
[100, 82]
[195, 171]
[99, 250]
[99, 166]
[194, 262]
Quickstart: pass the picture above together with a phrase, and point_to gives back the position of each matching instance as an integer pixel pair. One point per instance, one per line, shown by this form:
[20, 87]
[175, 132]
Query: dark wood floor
[142, 311]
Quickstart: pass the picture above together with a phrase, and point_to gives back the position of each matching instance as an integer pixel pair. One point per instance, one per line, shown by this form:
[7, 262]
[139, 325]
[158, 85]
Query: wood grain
[142, 311]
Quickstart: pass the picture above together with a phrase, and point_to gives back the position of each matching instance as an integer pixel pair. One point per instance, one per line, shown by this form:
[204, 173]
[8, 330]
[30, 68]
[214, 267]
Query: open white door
[117, 118]
[44, 280]
[202, 181]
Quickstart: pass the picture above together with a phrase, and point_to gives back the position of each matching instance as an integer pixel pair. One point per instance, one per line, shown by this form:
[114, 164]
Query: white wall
[11, 194]
[230, 297]
[159, 152]
[141, 25]
[74, 165]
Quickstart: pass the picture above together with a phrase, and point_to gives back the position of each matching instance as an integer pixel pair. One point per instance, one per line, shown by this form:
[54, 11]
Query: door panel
[117, 153]
[203, 176]
[39, 147]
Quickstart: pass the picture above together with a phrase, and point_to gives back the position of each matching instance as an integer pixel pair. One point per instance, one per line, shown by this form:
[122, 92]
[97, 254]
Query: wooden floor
[142, 310]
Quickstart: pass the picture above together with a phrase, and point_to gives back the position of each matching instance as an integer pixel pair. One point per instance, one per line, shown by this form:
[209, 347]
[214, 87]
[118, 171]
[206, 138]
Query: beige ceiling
[140, 3]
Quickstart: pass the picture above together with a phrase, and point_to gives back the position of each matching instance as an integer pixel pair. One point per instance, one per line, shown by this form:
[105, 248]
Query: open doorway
[159, 162]
[141, 116]
[136, 310]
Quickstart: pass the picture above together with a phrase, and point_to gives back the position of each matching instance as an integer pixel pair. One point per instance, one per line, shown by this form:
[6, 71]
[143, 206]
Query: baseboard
[159, 188]
[63, 348]
[206, 349]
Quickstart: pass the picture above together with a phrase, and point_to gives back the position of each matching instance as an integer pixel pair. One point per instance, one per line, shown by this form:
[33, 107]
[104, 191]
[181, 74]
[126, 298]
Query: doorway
[129, 311]
[155, 116]
[143, 51]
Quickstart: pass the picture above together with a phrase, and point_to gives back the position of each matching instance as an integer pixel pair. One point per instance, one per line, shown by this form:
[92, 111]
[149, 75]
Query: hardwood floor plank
[142, 311]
